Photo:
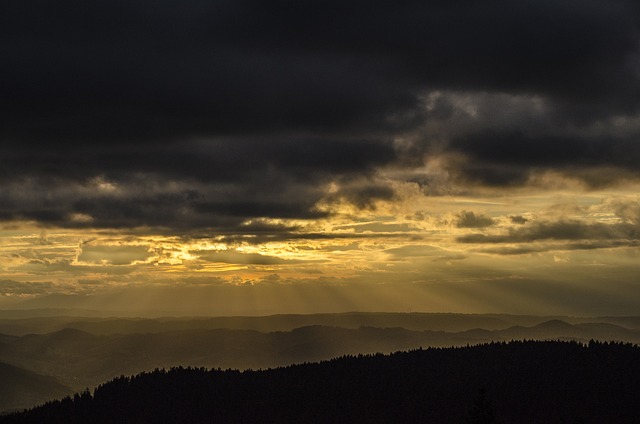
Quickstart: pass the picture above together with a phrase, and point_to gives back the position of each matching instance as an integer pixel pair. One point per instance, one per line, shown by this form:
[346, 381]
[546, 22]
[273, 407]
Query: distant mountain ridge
[93, 350]
[47, 321]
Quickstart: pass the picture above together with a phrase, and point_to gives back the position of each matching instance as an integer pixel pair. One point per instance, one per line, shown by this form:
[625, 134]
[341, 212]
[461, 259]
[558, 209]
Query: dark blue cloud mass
[249, 107]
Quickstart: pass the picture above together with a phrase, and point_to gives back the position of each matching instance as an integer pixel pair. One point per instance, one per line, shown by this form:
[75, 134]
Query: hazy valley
[74, 353]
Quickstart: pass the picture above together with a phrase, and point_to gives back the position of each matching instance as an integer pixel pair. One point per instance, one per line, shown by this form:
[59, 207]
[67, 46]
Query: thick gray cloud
[518, 219]
[248, 109]
[468, 219]
[627, 233]
[236, 257]
[501, 158]
[117, 70]
[15, 288]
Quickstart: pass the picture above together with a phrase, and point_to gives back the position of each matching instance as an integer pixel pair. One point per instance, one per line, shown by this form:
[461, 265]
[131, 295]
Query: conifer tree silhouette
[482, 410]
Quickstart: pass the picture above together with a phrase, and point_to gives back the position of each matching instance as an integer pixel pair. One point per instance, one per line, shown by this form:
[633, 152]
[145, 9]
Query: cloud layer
[205, 115]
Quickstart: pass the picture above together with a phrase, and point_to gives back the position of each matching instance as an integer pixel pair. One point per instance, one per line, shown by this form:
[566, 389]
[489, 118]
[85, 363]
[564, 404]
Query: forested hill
[516, 382]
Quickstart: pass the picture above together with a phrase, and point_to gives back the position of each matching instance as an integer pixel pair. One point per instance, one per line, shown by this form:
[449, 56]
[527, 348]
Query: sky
[248, 157]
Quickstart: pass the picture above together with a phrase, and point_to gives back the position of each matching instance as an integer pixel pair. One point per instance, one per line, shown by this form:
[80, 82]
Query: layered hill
[19, 322]
[81, 359]
[91, 351]
[20, 388]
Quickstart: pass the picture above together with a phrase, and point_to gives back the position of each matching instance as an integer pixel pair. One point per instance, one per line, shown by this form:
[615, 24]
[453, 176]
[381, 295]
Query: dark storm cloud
[180, 210]
[562, 230]
[116, 70]
[363, 194]
[207, 160]
[518, 219]
[468, 219]
[258, 105]
[217, 185]
[585, 245]
[122, 70]
[500, 158]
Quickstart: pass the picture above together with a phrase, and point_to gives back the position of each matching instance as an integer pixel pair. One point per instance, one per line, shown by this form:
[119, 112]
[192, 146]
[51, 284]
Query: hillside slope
[22, 389]
[517, 382]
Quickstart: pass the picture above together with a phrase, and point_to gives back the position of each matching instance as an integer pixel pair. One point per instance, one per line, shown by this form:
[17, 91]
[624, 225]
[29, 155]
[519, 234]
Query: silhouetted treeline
[516, 382]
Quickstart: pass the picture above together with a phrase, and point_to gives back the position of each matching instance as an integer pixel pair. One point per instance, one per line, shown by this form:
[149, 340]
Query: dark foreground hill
[517, 382]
